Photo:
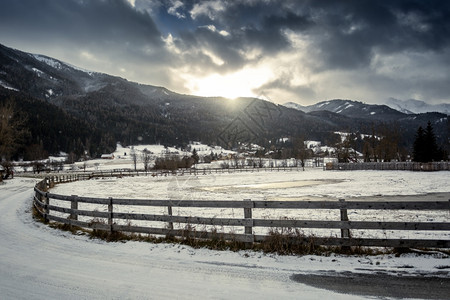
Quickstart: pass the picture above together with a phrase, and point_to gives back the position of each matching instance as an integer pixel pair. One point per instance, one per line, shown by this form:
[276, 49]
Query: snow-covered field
[37, 262]
[263, 185]
[312, 184]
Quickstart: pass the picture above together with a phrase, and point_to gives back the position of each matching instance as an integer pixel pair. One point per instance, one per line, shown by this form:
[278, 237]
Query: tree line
[31, 129]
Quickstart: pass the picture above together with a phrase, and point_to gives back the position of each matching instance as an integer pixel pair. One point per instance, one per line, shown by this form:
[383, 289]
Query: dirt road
[381, 284]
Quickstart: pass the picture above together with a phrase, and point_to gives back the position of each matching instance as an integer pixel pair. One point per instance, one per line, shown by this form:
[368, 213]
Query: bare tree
[134, 158]
[300, 151]
[146, 159]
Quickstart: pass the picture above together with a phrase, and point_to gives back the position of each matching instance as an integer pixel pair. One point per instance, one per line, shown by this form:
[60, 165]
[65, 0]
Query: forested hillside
[62, 108]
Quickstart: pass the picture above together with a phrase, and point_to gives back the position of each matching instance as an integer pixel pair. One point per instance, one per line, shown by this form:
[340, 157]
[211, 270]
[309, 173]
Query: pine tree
[432, 151]
[425, 145]
[419, 146]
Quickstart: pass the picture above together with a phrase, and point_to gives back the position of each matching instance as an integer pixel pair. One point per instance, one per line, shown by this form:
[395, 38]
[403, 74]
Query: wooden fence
[43, 202]
[191, 171]
[405, 166]
[61, 177]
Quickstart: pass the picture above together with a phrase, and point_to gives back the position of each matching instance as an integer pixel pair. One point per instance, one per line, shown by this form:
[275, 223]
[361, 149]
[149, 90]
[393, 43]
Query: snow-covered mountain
[417, 107]
[48, 78]
[296, 106]
[352, 109]
[70, 108]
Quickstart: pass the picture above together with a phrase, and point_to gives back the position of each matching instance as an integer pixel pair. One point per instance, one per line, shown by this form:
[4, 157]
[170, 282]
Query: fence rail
[404, 166]
[43, 202]
[60, 177]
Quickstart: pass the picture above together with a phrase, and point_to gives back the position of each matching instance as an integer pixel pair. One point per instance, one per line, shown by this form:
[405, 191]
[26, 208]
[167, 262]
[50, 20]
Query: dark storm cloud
[344, 34]
[239, 27]
[349, 35]
[77, 20]
[349, 32]
[336, 38]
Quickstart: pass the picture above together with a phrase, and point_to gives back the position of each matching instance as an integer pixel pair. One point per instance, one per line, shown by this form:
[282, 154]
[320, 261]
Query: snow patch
[320, 105]
[90, 73]
[203, 149]
[49, 61]
[58, 65]
[348, 106]
[49, 93]
[38, 72]
[7, 86]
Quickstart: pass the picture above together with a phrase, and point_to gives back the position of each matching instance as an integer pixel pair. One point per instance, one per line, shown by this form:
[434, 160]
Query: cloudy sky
[303, 51]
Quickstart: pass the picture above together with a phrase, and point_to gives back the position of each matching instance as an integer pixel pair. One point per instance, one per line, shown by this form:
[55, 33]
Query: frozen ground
[37, 262]
[263, 185]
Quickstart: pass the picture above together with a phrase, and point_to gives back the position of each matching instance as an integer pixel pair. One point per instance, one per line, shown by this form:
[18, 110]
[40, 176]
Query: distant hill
[416, 107]
[74, 110]
[367, 114]
[354, 109]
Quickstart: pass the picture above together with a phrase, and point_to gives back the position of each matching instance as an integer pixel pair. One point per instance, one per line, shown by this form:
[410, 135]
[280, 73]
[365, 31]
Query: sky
[302, 51]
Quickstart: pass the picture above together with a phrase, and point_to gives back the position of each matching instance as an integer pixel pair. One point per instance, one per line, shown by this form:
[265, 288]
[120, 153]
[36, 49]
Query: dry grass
[37, 215]
[289, 241]
[283, 241]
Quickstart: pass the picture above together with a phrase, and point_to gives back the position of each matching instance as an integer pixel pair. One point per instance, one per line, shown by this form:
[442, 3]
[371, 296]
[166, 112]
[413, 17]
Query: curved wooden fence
[112, 218]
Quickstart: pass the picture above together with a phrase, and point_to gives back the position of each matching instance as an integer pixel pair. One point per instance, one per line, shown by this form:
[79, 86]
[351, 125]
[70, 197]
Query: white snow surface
[38, 262]
[264, 185]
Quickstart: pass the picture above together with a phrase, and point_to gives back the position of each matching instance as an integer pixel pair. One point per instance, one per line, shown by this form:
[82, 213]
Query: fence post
[248, 216]
[46, 210]
[169, 213]
[110, 216]
[345, 232]
[74, 205]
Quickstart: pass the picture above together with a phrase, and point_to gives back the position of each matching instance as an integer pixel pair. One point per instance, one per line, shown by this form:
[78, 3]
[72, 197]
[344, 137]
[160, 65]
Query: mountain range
[412, 106]
[352, 109]
[74, 110]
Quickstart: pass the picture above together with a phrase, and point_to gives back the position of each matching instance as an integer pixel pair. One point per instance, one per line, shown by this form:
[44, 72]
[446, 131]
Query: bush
[173, 163]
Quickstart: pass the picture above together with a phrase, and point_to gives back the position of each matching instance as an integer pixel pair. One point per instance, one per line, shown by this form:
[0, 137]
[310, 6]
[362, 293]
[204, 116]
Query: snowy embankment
[37, 262]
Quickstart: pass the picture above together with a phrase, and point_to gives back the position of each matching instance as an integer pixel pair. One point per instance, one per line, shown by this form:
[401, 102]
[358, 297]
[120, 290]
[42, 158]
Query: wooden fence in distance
[72, 176]
[43, 203]
[394, 166]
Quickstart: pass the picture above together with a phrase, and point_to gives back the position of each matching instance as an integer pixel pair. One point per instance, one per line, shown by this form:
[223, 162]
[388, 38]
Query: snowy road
[37, 262]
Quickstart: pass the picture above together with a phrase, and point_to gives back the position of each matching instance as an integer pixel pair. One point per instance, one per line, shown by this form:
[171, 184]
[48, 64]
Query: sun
[232, 85]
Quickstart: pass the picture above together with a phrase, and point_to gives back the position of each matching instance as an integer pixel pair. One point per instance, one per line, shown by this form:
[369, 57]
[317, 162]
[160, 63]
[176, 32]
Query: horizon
[303, 51]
